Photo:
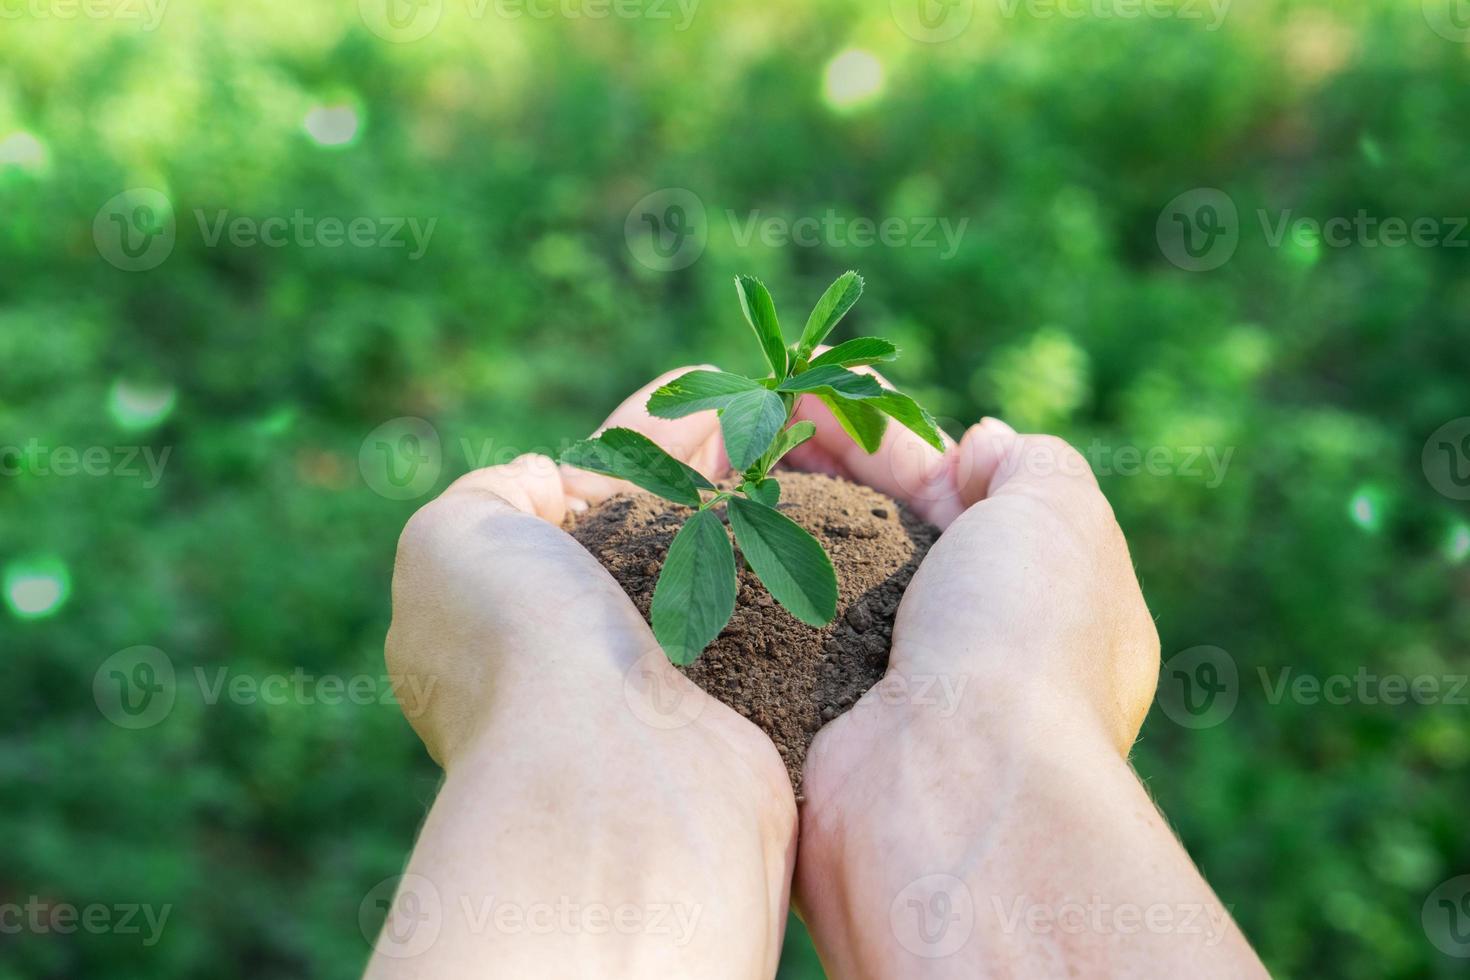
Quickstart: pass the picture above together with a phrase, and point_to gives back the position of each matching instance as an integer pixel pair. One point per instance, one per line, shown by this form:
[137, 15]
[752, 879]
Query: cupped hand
[578, 761]
[1028, 601]
[492, 599]
[987, 772]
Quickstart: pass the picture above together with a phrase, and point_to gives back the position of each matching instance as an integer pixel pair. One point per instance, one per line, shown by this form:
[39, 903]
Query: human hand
[580, 765]
[980, 794]
[1027, 531]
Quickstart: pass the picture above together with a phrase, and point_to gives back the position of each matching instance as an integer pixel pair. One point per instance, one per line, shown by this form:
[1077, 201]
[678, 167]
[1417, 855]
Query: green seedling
[695, 594]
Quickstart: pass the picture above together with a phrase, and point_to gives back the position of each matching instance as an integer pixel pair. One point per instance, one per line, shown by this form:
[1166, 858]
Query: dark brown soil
[785, 676]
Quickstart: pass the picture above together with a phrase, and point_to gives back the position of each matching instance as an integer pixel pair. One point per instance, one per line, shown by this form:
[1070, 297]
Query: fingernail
[576, 505]
[995, 425]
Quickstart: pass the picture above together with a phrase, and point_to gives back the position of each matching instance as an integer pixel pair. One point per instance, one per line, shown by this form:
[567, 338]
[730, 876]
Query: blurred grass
[1060, 139]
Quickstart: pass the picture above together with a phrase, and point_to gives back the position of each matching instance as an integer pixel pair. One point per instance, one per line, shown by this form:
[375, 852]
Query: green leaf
[767, 491]
[634, 457]
[697, 391]
[836, 380]
[829, 311]
[695, 595]
[750, 421]
[857, 352]
[787, 559]
[911, 415]
[863, 423]
[760, 313]
[790, 437]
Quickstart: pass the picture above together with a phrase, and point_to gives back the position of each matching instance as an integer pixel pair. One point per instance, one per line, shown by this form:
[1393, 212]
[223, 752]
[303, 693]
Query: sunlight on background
[332, 125]
[24, 150]
[853, 78]
[1366, 508]
[1457, 542]
[136, 406]
[36, 588]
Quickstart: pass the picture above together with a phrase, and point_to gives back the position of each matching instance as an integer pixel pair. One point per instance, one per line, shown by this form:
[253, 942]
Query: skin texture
[975, 815]
[991, 829]
[573, 793]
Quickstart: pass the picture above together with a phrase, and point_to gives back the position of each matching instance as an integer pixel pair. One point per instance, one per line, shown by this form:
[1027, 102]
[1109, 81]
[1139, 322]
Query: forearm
[1008, 850]
[573, 840]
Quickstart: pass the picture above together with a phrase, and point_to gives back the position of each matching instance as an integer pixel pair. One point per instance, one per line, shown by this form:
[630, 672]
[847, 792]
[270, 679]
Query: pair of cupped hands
[512, 649]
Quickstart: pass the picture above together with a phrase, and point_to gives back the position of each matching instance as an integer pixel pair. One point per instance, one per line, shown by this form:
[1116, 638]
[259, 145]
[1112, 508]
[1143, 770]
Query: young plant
[695, 594]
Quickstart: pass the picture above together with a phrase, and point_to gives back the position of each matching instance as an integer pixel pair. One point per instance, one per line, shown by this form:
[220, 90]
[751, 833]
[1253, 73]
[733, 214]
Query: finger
[531, 484]
[994, 464]
[904, 466]
[1038, 465]
[694, 439]
[981, 451]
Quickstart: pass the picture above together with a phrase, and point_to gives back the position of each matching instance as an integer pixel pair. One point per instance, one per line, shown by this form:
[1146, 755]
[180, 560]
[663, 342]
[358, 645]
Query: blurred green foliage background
[1060, 135]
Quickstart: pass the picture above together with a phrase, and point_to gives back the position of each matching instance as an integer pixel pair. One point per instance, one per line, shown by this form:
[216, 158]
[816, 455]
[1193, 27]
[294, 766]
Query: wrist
[934, 805]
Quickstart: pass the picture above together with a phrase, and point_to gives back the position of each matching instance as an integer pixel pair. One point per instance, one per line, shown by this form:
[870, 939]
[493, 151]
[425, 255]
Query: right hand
[1028, 599]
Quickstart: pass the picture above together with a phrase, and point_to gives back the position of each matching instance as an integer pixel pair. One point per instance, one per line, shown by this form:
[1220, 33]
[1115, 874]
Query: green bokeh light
[36, 588]
[1457, 542]
[1366, 507]
[136, 406]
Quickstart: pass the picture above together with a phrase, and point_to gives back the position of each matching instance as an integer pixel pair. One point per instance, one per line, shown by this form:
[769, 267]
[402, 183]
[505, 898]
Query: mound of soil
[786, 677]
